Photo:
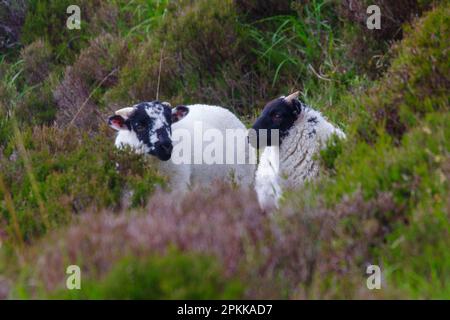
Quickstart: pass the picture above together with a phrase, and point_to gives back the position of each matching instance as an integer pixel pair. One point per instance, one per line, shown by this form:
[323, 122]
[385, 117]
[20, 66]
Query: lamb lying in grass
[289, 158]
[150, 128]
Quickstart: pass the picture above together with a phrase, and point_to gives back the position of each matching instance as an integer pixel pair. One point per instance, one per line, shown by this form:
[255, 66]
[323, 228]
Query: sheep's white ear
[125, 112]
[167, 104]
[292, 97]
[179, 112]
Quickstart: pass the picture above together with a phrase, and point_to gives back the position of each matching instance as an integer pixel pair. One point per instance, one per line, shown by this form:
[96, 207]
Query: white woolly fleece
[296, 163]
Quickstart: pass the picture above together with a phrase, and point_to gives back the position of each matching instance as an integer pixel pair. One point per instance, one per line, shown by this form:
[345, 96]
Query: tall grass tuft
[298, 43]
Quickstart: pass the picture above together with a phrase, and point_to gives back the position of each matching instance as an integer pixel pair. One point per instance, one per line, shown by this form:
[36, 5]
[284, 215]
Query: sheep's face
[149, 126]
[279, 114]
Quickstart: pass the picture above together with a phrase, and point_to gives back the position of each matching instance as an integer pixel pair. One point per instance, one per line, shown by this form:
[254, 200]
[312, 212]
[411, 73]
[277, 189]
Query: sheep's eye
[139, 127]
[276, 116]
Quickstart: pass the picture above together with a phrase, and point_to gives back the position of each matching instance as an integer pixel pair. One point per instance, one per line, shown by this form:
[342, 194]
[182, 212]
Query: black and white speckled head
[279, 114]
[149, 125]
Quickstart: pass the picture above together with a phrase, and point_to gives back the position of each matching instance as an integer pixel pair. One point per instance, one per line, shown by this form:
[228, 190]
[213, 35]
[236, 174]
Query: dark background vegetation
[68, 197]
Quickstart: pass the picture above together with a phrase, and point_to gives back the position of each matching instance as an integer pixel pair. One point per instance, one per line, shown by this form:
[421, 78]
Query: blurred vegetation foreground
[383, 197]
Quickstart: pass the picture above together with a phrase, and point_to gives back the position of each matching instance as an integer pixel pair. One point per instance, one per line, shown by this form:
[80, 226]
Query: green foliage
[37, 61]
[26, 89]
[418, 81]
[416, 256]
[37, 106]
[139, 17]
[384, 167]
[175, 275]
[385, 195]
[8, 96]
[299, 42]
[368, 49]
[179, 63]
[305, 52]
[49, 17]
[332, 151]
[252, 10]
[399, 143]
[406, 233]
[130, 18]
[73, 173]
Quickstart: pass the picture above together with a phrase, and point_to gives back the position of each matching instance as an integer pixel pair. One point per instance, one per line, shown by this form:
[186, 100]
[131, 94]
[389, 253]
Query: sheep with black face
[295, 133]
[148, 128]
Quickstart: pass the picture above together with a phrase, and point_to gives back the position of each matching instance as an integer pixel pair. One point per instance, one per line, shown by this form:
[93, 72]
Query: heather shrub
[8, 89]
[29, 104]
[255, 10]
[219, 41]
[398, 144]
[277, 257]
[12, 17]
[74, 103]
[420, 246]
[5, 131]
[4, 288]
[96, 63]
[233, 63]
[382, 198]
[132, 19]
[119, 17]
[221, 222]
[8, 98]
[26, 89]
[312, 243]
[37, 61]
[37, 106]
[174, 275]
[49, 17]
[78, 96]
[413, 172]
[413, 86]
[328, 155]
[65, 172]
[384, 166]
[393, 15]
[423, 82]
[406, 154]
[303, 51]
[417, 258]
[316, 246]
[369, 49]
[198, 46]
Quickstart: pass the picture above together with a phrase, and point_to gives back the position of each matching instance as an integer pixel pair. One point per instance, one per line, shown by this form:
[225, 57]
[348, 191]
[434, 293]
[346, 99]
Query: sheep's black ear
[117, 123]
[292, 97]
[294, 103]
[296, 106]
[179, 112]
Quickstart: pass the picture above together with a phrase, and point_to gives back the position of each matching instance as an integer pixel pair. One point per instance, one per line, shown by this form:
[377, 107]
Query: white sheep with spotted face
[149, 127]
[291, 160]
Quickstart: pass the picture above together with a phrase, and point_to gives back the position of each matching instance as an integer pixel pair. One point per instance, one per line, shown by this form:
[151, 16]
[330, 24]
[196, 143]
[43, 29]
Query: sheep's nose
[167, 147]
